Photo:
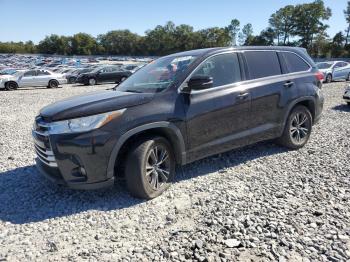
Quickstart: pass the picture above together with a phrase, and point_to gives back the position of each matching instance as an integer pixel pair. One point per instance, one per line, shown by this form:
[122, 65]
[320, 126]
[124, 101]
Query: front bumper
[346, 96]
[81, 80]
[62, 81]
[55, 176]
[78, 161]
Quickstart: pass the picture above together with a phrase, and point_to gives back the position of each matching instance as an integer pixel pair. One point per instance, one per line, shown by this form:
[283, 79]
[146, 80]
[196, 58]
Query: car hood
[93, 103]
[6, 77]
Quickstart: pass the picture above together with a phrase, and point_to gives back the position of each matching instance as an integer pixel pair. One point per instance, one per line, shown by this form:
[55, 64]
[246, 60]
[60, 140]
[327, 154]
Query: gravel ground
[260, 203]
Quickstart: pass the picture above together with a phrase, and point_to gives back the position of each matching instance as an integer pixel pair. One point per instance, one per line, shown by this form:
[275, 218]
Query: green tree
[309, 21]
[347, 18]
[233, 29]
[337, 46]
[119, 42]
[246, 34]
[83, 44]
[266, 38]
[214, 37]
[282, 22]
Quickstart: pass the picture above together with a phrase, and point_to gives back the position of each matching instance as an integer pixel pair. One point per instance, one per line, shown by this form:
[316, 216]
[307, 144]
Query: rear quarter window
[262, 64]
[294, 63]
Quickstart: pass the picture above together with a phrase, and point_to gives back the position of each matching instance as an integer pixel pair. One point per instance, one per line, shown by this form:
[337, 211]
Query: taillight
[319, 76]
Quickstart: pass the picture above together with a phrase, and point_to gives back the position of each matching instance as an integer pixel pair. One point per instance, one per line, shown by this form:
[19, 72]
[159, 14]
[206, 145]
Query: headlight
[83, 124]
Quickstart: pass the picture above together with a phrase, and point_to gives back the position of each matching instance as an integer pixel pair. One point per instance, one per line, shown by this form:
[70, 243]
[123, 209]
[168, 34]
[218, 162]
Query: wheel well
[161, 131]
[11, 82]
[309, 104]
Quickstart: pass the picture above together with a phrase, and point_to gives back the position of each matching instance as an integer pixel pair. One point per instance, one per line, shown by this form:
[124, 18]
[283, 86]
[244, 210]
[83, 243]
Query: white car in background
[335, 70]
[32, 78]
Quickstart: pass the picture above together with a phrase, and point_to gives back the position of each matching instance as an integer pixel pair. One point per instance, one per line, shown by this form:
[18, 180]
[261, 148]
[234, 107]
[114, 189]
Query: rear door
[42, 77]
[270, 91]
[217, 118]
[104, 75]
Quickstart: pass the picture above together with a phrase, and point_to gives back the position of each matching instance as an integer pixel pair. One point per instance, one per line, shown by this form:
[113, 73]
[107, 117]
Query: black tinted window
[224, 69]
[42, 73]
[294, 63]
[262, 64]
[339, 64]
[30, 73]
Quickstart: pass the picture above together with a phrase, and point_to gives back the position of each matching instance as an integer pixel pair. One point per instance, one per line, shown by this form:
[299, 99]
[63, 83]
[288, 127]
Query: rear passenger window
[42, 73]
[294, 63]
[224, 69]
[262, 63]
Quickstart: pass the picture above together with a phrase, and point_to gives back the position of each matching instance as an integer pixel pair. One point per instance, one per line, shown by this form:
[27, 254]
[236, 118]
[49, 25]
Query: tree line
[303, 25]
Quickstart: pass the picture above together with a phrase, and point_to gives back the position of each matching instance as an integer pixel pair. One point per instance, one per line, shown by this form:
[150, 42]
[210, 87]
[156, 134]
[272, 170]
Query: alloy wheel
[299, 128]
[157, 169]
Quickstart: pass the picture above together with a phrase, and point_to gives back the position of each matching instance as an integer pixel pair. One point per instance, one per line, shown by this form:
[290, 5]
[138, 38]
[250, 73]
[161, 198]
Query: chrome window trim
[237, 84]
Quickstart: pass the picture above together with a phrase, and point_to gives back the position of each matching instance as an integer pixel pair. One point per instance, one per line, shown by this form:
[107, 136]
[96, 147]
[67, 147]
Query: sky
[23, 20]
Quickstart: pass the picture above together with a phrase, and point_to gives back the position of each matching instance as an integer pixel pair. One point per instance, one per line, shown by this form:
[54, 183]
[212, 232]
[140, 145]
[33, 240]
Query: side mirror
[200, 82]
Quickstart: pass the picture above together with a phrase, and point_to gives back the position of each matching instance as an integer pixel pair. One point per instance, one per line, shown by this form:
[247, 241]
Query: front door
[341, 70]
[217, 118]
[27, 79]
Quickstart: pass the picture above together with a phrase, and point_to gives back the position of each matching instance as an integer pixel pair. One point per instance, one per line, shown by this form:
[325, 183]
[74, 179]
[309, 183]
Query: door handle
[288, 84]
[243, 96]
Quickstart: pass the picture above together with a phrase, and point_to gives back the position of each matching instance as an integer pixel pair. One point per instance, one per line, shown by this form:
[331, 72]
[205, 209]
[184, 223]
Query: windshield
[156, 76]
[8, 72]
[324, 65]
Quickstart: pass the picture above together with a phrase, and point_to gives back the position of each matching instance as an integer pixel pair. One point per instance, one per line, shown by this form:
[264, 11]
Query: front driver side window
[339, 64]
[224, 69]
[29, 74]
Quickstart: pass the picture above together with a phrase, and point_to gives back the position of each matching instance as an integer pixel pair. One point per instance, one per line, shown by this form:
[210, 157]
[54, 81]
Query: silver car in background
[334, 70]
[31, 78]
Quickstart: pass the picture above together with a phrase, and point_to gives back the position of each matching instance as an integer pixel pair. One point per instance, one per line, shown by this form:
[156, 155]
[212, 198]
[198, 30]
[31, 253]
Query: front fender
[167, 125]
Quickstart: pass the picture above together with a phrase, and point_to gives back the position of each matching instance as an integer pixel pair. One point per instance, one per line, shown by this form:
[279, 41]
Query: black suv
[113, 74]
[178, 109]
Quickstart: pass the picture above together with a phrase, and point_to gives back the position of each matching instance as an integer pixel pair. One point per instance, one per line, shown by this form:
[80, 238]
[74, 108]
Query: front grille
[42, 143]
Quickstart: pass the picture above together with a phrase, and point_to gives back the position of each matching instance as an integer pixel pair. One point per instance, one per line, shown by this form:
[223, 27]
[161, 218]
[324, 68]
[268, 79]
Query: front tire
[10, 86]
[329, 78]
[297, 129]
[53, 84]
[150, 168]
[71, 80]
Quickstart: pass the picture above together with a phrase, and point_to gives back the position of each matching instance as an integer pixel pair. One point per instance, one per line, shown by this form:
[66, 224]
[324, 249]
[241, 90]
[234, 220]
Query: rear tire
[150, 167]
[348, 103]
[53, 84]
[329, 78]
[348, 78]
[10, 86]
[297, 129]
[92, 81]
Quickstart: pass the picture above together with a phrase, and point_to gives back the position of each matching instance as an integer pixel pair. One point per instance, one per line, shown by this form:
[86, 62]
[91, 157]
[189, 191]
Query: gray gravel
[260, 203]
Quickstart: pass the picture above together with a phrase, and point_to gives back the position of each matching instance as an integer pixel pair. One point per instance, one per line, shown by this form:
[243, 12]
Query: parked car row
[53, 72]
